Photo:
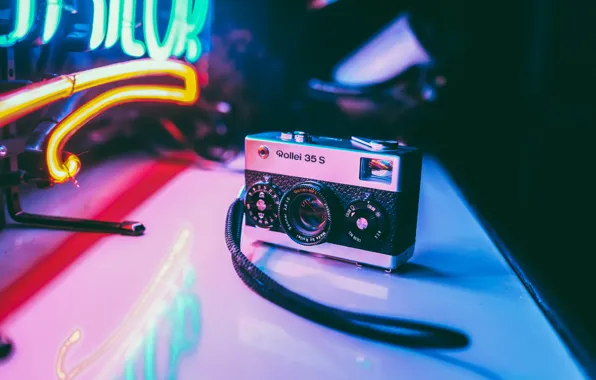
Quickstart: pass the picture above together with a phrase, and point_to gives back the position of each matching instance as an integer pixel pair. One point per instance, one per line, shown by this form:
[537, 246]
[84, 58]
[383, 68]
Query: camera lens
[309, 214]
[305, 213]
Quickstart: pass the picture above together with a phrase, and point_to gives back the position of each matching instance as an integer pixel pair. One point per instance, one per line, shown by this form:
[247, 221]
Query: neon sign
[117, 22]
[21, 102]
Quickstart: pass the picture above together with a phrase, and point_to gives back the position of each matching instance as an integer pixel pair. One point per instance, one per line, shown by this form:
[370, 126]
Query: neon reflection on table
[117, 22]
[21, 102]
[135, 339]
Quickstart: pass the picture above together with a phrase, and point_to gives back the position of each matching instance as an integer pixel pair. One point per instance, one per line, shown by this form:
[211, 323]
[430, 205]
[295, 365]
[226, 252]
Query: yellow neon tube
[31, 98]
[19, 103]
[16, 104]
[62, 171]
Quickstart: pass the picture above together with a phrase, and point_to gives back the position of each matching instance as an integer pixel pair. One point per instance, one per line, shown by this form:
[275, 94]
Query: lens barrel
[305, 213]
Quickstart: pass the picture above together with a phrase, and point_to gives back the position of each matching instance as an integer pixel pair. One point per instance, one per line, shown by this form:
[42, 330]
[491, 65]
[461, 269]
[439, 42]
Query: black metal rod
[81, 225]
[15, 211]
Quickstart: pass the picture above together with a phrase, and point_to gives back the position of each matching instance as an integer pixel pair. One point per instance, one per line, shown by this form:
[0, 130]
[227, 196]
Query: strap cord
[414, 334]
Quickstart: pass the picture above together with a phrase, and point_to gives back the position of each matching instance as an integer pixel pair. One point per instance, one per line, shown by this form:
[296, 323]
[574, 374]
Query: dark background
[518, 138]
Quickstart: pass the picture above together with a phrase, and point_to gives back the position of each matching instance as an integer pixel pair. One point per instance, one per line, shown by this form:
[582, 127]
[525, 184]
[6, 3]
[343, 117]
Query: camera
[354, 199]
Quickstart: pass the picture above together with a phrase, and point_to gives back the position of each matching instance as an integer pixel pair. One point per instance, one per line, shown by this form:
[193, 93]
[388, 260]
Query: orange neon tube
[31, 98]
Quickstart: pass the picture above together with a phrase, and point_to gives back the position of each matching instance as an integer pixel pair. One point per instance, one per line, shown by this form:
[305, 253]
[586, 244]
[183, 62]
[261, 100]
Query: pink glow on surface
[456, 277]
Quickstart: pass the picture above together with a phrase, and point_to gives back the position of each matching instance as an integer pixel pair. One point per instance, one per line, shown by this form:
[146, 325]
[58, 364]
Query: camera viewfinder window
[376, 170]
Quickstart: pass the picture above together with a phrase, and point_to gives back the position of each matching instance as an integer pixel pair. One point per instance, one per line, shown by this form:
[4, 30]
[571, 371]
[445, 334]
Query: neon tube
[25, 14]
[174, 33]
[117, 22]
[98, 33]
[196, 22]
[130, 46]
[31, 98]
[16, 104]
[187, 20]
[52, 20]
[63, 171]
[114, 23]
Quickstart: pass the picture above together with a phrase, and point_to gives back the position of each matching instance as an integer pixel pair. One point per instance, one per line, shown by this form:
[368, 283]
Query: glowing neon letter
[117, 22]
[98, 32]
[157, 49]
[114, 23]
[25, 12]
[187, 20]
[130, 46]
[52, 20]
[184, 9]
[196, 22]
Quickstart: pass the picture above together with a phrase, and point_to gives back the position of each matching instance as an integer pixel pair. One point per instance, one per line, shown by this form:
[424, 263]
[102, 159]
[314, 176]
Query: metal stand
[10, 179]
[72, 224]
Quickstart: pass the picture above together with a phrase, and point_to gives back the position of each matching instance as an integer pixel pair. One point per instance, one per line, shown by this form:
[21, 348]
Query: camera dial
[365, 220]
[305, 213]
[262, 203]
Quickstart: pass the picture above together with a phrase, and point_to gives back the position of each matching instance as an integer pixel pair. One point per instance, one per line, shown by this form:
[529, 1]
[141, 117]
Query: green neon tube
[156, 48]
[25, 12]
[114, 22]
[130, 46]
[98, 33]
[196, 23]
[52, 20]
[184, 12]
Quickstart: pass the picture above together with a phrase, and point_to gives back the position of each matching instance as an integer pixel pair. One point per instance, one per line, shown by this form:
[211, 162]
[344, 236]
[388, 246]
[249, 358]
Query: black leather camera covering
[401, 210]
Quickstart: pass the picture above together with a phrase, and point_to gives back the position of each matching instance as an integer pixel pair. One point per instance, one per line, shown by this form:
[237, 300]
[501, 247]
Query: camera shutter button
[302, 137]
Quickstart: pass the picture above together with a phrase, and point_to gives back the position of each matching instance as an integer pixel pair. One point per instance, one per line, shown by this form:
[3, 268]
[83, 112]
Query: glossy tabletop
[169, 305]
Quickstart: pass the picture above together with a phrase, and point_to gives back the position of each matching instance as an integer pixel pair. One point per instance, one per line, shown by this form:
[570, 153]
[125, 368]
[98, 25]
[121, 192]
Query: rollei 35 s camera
[355, 200]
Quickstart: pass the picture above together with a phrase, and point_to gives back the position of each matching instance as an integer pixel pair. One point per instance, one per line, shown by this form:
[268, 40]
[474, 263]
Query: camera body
[350, 199]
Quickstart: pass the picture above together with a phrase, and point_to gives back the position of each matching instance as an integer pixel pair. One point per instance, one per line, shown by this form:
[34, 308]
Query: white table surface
[120, 298]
